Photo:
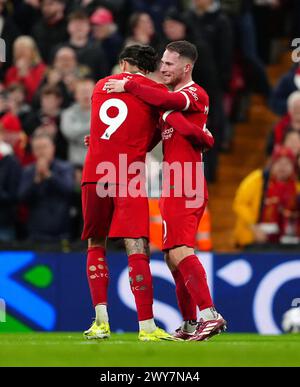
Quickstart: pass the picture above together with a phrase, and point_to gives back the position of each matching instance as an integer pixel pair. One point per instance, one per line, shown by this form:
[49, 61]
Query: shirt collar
[184, 86]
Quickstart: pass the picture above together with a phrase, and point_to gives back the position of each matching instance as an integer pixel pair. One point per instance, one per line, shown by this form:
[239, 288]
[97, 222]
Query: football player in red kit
[180, 217]
[121, 125]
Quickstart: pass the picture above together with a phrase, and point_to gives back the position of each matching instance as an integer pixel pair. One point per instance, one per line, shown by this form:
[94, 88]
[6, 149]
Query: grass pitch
[71, 349]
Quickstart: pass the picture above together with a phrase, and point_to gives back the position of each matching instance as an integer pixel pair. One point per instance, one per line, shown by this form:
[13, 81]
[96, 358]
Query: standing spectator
[10, 173]
[155, 8]
[241, 15]
[12, 122]
[28, 68]
[47, 119]
[141, 30]
[266, 202]
[291, 121]
[16, 101]
[105, 30]
[26, 13]
[286, 85]
[46, 187]
[176, 27]
[75, 123]
[8, 32]
[214, 27]
[51, 29]
[120, 9]
[269, 21]
[3, 101]
[63, 74]
[292, 141]
[88, 53]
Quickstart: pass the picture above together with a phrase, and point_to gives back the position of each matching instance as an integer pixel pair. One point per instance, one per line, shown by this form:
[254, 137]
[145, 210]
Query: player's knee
[137, 246]
[166, 258]
[178, 254]
[96, 242]
[170, 265]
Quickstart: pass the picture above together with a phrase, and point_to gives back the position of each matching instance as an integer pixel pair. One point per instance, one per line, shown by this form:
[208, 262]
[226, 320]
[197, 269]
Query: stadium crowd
[56, 50]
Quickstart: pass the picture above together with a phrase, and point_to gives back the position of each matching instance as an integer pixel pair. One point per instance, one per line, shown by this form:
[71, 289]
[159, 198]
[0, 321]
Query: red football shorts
[180, 224]
[115, 217]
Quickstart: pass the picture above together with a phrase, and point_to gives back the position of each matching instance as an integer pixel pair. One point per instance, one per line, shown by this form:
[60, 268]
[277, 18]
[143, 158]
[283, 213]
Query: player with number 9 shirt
[121, 125]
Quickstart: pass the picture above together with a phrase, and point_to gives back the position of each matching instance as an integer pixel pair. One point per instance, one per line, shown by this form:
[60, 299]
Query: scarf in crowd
[281, 128]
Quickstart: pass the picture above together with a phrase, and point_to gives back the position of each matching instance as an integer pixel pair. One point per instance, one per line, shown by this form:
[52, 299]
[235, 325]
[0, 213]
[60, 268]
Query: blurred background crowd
[56, 50]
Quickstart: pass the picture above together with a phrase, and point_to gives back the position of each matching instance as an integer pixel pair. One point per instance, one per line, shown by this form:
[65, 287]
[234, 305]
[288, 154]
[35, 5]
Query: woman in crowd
[28, 68]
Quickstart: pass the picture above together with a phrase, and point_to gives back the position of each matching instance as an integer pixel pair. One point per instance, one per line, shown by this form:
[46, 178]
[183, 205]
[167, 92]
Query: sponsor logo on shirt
[167, 133]
[192, 91]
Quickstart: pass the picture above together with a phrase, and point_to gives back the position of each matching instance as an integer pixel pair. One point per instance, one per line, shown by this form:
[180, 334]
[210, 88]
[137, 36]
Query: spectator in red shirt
[28, 68]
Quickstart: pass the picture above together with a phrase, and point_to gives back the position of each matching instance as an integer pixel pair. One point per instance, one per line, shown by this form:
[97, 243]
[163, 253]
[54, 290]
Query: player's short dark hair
[144, 57]
[184, 48]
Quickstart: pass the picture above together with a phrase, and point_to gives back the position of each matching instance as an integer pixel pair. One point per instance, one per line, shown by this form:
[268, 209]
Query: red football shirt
[121, 124]
[177, 148]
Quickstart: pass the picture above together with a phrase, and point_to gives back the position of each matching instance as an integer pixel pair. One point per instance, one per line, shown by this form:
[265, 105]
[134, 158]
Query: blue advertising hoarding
[49, 291]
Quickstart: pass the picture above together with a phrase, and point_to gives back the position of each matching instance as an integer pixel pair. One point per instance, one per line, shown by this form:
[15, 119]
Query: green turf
[70, 349]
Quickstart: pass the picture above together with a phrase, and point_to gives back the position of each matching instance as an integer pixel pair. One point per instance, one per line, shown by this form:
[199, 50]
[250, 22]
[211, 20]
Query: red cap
[283, 151]
[102, 16]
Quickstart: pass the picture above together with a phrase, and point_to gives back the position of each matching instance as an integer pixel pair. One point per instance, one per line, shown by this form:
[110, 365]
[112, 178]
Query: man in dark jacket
[51, 29]
[10, 172]
[214, 27]
[46, 187]
[8, 32]
[105, 32]
[88, 53]
[287, 84]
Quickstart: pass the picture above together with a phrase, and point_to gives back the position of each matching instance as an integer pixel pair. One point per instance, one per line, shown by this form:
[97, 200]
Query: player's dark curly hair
[144, 57]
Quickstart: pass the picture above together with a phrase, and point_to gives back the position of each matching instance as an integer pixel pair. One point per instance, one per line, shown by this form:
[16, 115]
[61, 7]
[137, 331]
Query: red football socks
[186, 303]
[140, 279]
[97, 274]
[194, 277]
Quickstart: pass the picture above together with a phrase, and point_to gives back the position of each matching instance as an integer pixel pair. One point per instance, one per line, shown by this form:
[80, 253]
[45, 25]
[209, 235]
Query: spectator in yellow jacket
[266, 203]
